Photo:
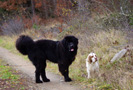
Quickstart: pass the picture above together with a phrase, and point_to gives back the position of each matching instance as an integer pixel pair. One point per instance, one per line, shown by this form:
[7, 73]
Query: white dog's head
[92, 58]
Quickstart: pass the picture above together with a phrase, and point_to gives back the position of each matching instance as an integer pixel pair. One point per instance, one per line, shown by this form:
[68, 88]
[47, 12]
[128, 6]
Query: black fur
[61, 52]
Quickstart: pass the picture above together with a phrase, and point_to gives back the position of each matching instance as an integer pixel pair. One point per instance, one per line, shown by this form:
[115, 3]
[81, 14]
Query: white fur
[93, 66]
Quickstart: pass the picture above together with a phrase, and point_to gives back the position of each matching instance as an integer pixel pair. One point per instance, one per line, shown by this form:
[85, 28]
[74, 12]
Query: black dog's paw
[46, 80]
[39, 81]
[68, 80]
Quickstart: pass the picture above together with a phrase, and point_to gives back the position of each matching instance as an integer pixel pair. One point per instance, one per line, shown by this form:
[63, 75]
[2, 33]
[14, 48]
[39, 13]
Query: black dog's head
[70, 43]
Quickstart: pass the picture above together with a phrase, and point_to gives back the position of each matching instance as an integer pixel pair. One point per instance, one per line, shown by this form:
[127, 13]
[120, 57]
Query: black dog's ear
[70, 39]
[76, 40]
[64, 41]
[66, 38]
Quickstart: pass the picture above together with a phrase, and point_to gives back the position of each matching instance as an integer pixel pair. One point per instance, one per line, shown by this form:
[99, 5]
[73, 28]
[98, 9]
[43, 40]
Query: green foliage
[105, 87]
[131, 19]
[22, 88]
[91, 80]
[1, 10]
[10, 79]
[36, 27]
[5, 73]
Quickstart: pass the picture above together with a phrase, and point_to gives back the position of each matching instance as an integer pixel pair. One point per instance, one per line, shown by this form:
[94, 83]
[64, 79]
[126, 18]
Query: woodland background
[28, 13]
[102, 26]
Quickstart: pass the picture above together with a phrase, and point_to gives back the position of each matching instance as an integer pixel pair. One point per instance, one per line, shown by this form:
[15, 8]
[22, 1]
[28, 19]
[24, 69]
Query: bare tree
[44, 6]
[33, 11]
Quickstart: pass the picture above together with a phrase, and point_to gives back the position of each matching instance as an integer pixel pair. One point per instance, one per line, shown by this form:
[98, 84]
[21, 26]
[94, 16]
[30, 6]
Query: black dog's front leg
[40, 71]
[65, 72]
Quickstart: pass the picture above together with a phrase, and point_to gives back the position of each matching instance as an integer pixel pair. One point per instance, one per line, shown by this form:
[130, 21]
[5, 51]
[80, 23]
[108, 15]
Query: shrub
[117, 21]
[131, 19]
[12, 26]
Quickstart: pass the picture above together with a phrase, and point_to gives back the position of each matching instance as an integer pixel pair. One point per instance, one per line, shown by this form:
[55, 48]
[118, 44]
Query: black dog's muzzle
[71, 47]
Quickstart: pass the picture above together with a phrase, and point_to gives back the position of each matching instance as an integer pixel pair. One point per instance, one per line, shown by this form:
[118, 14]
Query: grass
[10, 79]
[105, 44]
[6, 74]
[8, 45]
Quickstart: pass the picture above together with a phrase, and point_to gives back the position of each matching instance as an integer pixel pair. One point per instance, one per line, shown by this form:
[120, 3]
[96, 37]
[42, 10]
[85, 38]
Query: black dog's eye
[71, 44]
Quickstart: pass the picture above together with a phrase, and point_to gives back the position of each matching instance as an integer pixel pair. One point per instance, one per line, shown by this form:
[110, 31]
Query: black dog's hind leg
[65, 72]
[40, 71]
[43, 73]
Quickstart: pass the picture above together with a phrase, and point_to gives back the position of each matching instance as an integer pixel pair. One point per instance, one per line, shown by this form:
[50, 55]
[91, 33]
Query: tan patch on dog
[90, 59]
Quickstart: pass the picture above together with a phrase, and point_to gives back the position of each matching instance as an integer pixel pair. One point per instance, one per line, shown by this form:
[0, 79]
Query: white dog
[92, 64]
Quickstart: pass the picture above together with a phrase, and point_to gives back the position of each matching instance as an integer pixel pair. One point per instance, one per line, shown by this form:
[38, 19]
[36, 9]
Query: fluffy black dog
[62, 52]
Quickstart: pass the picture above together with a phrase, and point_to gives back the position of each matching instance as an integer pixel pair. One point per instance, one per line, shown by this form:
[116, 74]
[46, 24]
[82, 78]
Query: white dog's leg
[88, 71]
[97, 67]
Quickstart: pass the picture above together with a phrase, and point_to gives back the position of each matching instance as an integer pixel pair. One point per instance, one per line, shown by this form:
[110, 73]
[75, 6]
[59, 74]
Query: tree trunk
[45, 11]
[33, 11]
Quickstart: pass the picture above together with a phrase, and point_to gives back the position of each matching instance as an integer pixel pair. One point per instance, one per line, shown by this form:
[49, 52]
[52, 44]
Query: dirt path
[28, 69]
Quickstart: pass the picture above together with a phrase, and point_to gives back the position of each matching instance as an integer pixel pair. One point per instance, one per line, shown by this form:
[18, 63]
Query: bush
[131, 19]
[117, 21]
[13, 26]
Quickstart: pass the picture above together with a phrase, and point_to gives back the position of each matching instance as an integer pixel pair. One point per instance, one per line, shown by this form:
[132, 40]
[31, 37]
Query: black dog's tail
[24, 44]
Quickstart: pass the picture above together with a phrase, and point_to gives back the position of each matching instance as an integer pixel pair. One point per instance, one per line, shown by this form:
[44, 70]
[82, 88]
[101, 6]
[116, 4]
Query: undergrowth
[105, 44]
[10, 79]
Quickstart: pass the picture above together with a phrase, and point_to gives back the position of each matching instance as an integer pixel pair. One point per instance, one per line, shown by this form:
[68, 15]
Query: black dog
[62, 52]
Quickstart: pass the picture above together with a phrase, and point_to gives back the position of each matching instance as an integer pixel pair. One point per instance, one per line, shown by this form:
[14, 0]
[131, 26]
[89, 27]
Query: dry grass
[105, 44]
